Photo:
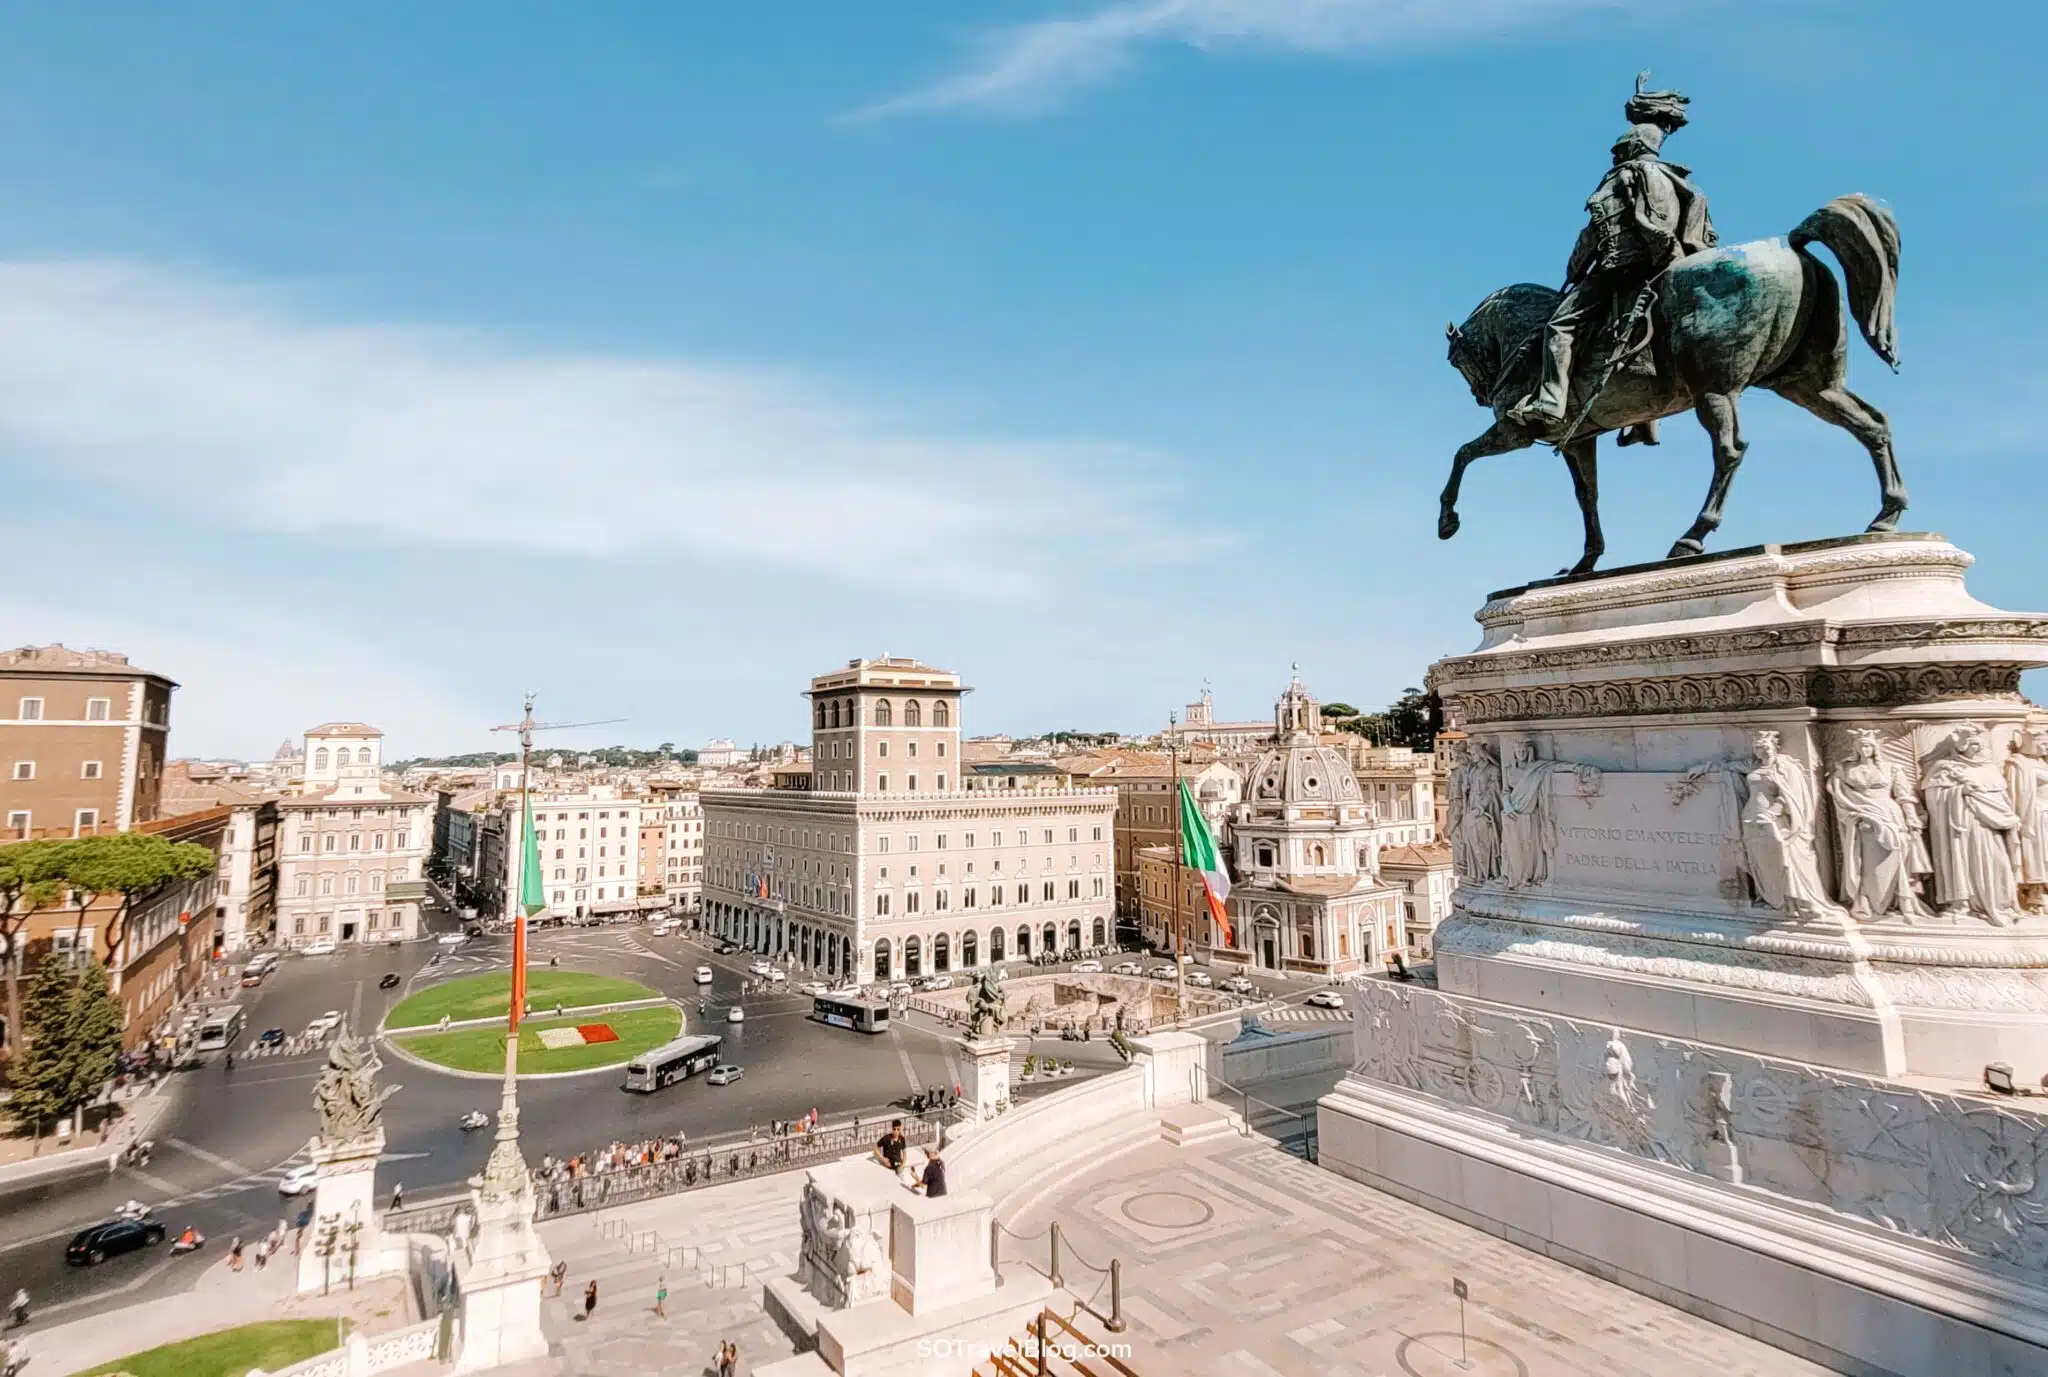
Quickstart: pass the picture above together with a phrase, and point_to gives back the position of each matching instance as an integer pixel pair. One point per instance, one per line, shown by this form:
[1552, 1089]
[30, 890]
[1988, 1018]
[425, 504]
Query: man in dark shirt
[934, 1183]
[891, 1146]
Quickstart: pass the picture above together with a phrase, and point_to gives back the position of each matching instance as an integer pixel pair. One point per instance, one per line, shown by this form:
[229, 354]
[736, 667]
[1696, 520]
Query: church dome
[1301, 771]
[1299, 768]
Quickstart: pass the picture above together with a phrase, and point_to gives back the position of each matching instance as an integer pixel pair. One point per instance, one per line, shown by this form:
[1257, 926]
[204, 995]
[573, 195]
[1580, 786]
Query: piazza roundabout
[603, 1021]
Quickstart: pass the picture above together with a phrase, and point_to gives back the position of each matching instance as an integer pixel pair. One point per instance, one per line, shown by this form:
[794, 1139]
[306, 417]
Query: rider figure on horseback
[1644, 216]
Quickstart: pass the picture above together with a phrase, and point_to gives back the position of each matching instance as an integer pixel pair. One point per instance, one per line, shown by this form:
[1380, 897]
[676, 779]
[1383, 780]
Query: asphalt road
[227, 1137]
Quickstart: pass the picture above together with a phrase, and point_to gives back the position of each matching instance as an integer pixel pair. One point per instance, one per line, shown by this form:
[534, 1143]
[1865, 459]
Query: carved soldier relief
[2026, 777]
[1777, 833]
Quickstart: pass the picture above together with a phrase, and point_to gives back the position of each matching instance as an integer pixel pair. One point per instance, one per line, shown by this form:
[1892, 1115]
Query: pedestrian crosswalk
[290, 1047]
[1303, 1013]
[251, 1181]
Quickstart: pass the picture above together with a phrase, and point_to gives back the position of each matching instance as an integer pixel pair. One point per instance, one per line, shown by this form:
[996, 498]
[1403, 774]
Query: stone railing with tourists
[435, 1216]
[710, 1166]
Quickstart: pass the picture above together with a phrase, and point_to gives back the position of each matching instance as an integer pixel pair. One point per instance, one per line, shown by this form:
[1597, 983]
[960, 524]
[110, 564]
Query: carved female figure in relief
[1777, 834]
[1878, 832]
[1973, 831]
[1475, 813]
[2026, 776]
[1528, 827]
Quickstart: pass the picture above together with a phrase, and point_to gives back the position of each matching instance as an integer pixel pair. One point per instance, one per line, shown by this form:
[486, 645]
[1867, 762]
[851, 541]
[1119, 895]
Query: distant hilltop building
[1198, 726]
[721, 754]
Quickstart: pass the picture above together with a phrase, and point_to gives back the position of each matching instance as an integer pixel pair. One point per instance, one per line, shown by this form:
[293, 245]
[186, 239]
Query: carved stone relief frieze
[1874, 686]
[1958, 1173]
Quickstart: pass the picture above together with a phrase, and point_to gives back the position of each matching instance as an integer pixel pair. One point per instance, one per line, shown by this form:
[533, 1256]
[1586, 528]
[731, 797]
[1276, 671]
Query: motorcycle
[14, 1359]
[191, 1241]
[138, 1154]
[473, 1121]
[131, 1210]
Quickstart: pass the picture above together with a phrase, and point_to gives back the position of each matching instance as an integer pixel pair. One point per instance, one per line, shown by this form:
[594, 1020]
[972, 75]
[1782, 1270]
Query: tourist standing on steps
[590, 1298]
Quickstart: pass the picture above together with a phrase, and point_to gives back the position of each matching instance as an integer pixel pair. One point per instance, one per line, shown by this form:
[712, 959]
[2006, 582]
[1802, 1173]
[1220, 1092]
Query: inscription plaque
[1638, 834]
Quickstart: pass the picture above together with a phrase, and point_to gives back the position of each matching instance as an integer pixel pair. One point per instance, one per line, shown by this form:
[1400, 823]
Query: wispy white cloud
[240, 403]
[1028, 68]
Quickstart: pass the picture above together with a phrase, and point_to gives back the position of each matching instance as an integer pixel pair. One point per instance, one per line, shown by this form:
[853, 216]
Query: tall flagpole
[1180, 967]
[508, 1103]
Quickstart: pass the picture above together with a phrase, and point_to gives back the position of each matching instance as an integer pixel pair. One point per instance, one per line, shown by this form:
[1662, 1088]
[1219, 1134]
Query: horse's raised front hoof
[1680, 549]
[1447, 524]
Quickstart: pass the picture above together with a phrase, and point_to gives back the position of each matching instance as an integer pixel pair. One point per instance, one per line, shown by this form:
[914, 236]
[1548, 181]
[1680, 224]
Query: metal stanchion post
[1041, 1343]
[1054, 1274]
[1115, 1324]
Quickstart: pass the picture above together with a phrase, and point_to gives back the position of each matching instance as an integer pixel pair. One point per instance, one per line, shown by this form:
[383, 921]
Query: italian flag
[1198, 852]
[532, 899]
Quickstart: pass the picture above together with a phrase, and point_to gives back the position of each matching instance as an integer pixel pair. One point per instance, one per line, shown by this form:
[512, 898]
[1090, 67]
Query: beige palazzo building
[885, 863]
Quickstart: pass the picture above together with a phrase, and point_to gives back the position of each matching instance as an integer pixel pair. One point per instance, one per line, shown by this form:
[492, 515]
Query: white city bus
[221, 1028]
[679, 1060]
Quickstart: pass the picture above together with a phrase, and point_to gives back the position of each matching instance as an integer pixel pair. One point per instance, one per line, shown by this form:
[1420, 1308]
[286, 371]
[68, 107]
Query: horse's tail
[1864, 236]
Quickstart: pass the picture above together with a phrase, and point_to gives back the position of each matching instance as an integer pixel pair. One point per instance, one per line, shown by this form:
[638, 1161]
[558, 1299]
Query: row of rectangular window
[942, 901]
[85, 820]
[26, 769]
[96, 710]
[400, 840]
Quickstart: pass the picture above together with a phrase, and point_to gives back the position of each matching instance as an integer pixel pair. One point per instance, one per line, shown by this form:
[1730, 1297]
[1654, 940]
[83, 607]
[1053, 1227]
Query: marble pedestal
[1176, 1068]
[344, 1231]
[1629, 886]
[927, 1300]
[1674, 1010]
[988, 1074]
[498, 1280]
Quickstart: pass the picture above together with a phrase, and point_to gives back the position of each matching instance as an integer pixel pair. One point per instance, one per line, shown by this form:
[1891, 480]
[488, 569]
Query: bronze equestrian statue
[1681, 323]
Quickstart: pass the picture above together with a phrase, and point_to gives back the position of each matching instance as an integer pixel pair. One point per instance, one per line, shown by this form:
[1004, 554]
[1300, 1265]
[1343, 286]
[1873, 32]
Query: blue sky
[382, 360]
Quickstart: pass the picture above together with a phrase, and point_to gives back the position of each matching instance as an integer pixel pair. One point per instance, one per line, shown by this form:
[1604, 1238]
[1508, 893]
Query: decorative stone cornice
[1866, 686]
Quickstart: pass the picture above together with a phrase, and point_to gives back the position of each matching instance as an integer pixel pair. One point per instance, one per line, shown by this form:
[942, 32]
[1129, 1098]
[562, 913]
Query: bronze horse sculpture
[1765, 314]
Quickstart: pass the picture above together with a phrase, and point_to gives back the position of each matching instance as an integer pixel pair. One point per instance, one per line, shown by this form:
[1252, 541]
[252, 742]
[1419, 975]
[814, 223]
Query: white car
[325, 1024]
[813, 988]
[1087, 967]
[451, 939]
[773, 976]
[658, 929]
[725, 1075]
[1199, 978]
[937, 982]
[299, 1179]
[760, 968]
[319, 946]
[703, 975]
[1326, 999]
[735, 1015]
[901, 987]
[1162, 972]
[1238, 985]
[1127, 968]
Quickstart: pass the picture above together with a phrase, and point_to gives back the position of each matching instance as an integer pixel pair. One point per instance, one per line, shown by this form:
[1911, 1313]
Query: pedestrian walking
[728, 1358]
[559, 1273]
[235, 1254]
[228, 1064]
[18, 1307]
[661, 1296]
[590, 1298]
[397, 1194]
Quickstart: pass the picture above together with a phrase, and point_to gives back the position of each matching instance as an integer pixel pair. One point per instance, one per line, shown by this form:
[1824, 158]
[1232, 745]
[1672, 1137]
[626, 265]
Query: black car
[271, 1037]
[389, 982]
[102, 1241]
[473, 930]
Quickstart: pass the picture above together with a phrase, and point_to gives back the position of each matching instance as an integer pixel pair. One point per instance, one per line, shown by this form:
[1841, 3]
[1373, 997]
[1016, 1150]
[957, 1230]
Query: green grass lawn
[489, 996]
[232, 1352]
[483, 1049]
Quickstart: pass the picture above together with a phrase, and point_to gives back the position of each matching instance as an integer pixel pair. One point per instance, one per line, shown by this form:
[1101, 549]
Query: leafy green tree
[31, 878]
[1333, 712]
[73, 1025]
[133, 865]
[1414, 719]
